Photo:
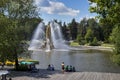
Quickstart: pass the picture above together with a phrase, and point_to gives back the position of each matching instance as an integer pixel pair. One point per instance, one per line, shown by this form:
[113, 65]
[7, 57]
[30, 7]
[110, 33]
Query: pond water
[95, 61]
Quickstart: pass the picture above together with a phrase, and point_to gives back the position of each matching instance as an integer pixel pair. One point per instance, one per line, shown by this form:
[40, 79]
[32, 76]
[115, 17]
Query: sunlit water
[95, 61]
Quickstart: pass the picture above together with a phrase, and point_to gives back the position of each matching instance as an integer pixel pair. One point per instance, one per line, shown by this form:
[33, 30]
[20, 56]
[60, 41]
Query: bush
[74, 44]
[83, 42]
[89, 36]
[23, 67]
[94, 42]
[116, 59]
[80, 40]
[116, 39]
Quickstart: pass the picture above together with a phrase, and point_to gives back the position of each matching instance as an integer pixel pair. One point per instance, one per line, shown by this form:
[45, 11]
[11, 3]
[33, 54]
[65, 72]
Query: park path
[84, 76]
[55, 75]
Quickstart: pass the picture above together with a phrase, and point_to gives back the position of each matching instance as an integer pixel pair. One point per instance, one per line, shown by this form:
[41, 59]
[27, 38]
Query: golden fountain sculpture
[48, 38]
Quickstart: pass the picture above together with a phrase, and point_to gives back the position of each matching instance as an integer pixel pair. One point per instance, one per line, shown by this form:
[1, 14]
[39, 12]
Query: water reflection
[83, 61]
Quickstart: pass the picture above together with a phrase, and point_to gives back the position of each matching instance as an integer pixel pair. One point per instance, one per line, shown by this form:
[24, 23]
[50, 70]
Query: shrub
[23, 67]
[83, 42]
[116, 39]
[116, 59]
[89, 36]
[80, 40]
[94, 42]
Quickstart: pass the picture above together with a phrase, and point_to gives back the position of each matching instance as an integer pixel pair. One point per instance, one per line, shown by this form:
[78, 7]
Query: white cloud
[93, 4]
[89, 16]
[54, 7]
[42, 3]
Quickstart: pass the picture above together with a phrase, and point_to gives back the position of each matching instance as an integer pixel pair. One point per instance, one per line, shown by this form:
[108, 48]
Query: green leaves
[73, 29]
[15, 24]
[89, 36]
[109, 11]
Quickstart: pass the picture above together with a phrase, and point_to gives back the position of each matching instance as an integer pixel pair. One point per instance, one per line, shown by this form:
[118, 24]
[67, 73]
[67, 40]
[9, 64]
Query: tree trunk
[16, 60]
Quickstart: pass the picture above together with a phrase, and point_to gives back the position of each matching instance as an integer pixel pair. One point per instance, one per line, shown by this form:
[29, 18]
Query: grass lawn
[103, 44]
[74, 44]
[107, 45]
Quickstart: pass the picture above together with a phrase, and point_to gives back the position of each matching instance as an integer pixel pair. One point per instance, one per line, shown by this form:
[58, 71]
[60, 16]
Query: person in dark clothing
[70, 68]
[66, 68]
[10, 78]
[73, 69]
[49, 67]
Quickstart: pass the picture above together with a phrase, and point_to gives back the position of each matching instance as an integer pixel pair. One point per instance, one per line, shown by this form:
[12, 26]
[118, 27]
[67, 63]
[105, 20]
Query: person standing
[63, 67]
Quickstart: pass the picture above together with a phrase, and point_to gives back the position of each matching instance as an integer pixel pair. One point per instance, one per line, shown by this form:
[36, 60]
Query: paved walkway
[57, 75]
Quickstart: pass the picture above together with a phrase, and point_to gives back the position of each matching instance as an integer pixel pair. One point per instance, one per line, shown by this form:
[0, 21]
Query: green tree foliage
[65, 31]
[94, 26]
[94, 42]
[73, 29]
[116, 33]
[82, 27]
[91, 24]
[15, 19]
[113, 35]
[116, 39]
[109, 17]
[103, 9]
[79, 39]
[89, 36]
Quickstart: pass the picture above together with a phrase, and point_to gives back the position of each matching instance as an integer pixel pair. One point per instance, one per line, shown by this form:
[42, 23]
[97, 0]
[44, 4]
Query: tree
[102, 8]
[64, 31]
[80, 40]
[73, 29]
[94, 42]
[82, 27]
[89, 36]
[108, 13]
[113, 35]
[14, 15]
[116, 40]
[96, 29]
[93, 25]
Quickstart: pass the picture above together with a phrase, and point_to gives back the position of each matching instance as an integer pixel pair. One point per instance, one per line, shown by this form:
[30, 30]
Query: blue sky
[63, 10]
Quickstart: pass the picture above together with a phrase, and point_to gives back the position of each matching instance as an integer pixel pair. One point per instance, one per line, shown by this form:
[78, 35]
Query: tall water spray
[47, 38]
[38, 37]
[57, 38]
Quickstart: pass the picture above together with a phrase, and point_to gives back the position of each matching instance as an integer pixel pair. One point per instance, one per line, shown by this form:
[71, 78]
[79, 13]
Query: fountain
[48, 38]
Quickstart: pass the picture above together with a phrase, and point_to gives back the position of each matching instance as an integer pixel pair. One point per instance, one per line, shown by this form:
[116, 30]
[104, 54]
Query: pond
[95, 61]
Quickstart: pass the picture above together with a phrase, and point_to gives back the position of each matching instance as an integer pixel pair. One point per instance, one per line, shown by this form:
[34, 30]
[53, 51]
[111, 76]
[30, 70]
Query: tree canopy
[109, 17]
[15, 25]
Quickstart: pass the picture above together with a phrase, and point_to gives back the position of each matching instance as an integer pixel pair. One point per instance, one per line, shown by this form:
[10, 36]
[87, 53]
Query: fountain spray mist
[48, 38]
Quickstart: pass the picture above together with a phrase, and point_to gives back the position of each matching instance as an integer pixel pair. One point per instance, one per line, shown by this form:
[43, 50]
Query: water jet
[47, 38]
